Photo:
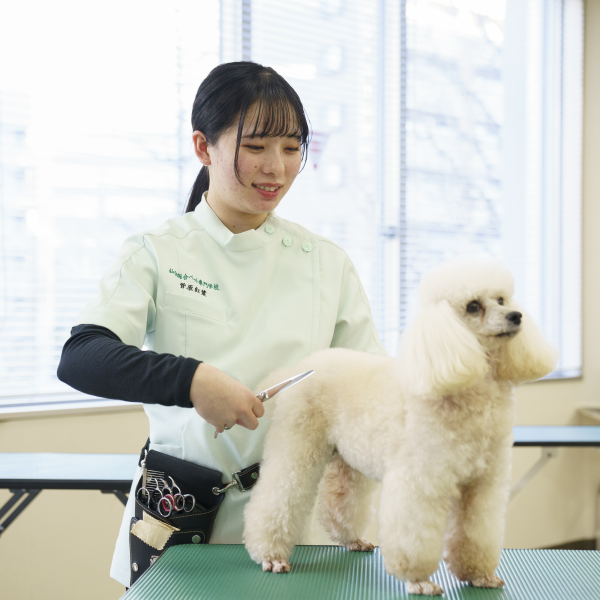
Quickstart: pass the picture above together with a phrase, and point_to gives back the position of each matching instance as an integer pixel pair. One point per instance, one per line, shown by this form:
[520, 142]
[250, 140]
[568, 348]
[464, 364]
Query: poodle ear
[438, 353]
[527, 356]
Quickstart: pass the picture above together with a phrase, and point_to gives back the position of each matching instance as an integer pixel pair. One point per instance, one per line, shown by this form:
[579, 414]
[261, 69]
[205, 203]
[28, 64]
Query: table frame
[25, 490]
[549, 439]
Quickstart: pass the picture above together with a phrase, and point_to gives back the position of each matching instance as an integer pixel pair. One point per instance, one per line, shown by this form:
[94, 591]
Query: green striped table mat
[222, 572]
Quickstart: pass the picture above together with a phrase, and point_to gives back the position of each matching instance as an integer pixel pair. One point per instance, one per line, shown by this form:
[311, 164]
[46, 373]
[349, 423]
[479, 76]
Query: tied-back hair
[226, 95]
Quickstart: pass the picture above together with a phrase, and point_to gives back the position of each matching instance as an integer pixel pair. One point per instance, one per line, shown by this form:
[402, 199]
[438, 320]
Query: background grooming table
[549, 438]
[26, 475]
[218, 572]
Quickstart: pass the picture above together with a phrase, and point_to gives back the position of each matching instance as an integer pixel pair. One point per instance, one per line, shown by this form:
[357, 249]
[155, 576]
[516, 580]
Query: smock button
[287, 240]
[307, 246]
[196, 539]
[270, 229]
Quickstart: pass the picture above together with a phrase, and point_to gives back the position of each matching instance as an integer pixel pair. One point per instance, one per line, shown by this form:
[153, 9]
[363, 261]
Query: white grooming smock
[246, 303]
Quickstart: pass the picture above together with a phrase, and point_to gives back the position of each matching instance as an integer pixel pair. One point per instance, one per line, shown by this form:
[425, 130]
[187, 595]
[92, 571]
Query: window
[94, 145]
[457, 131]
[439, 128]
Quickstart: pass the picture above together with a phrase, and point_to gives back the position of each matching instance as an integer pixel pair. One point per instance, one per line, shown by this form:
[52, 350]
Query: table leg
[17, 495]
[548, 452]
[118, 493]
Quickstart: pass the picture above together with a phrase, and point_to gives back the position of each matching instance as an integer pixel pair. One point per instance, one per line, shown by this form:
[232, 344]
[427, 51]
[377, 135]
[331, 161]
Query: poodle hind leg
[475, 533]
[295, 455]
[345, 504]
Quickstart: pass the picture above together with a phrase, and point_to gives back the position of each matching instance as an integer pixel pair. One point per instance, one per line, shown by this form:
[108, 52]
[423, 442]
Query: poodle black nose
[514, 317]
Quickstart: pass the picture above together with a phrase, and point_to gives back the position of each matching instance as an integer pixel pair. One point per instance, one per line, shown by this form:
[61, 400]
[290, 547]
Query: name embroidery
[195, 288]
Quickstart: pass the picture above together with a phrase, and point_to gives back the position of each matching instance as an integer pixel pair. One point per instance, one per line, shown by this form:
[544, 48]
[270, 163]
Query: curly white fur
[434, 427]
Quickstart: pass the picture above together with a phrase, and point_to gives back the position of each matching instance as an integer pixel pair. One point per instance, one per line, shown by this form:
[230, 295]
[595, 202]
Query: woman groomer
[230, 284]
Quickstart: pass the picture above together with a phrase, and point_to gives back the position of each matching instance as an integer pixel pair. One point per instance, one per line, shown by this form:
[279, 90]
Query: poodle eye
[473, 307]
[501, 301]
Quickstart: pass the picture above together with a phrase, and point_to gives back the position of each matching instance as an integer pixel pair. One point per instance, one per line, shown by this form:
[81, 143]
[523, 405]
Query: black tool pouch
[195, 526]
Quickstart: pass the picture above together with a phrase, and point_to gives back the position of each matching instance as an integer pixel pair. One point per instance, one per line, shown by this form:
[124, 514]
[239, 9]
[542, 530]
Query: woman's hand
[223, 401]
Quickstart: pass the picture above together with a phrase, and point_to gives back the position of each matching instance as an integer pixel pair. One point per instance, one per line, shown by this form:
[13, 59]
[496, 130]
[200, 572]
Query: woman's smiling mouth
[267, 191]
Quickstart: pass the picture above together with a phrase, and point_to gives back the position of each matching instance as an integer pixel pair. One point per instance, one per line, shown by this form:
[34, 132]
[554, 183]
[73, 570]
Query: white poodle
[433, 426]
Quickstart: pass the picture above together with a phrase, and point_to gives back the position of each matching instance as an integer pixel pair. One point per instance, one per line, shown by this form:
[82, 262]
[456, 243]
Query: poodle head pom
[467, 315]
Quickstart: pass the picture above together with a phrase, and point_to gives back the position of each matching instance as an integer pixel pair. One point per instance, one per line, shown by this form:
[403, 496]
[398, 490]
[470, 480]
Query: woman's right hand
[223, 401]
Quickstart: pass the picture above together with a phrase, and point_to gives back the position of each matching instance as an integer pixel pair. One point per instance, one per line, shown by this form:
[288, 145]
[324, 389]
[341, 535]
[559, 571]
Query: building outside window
[438, 128]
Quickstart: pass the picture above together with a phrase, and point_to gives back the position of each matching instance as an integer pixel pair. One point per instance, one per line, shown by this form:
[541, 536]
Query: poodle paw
[276, 566]
[424, 588]
[487, 581]
[360, 545]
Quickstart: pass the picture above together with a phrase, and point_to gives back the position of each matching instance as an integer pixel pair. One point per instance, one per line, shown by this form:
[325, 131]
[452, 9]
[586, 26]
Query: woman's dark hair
[225, 96]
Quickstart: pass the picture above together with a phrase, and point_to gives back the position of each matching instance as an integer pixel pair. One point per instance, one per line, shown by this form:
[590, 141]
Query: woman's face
[267, 167]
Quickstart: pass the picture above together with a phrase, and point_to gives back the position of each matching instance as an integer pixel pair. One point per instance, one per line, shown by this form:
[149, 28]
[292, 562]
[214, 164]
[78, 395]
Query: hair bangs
[278, 113]
[275, 118]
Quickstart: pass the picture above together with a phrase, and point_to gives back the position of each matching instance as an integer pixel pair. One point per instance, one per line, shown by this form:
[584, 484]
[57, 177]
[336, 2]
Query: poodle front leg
[412, 521]
[475, 534]
[345, 509]
[282, 499]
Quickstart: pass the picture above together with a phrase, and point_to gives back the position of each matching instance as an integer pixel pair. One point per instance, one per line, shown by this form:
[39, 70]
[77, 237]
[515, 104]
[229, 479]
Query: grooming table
[217, 572]
[26, 475]
[549, 438]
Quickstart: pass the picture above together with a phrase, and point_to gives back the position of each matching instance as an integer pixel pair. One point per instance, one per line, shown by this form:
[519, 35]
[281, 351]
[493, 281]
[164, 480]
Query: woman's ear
[438, 353]
[527, 356]
[201, 147]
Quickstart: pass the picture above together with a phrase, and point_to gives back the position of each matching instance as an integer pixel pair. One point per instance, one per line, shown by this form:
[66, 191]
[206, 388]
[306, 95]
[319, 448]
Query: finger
[249, 421]
[258, 409]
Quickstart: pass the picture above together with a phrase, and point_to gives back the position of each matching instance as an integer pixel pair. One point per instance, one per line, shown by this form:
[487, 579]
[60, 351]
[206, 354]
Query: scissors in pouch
[168, 502]
[277, 389]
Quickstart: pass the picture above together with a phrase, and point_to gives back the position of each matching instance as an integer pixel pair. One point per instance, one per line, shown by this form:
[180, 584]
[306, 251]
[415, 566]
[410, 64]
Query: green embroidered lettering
[185, 277]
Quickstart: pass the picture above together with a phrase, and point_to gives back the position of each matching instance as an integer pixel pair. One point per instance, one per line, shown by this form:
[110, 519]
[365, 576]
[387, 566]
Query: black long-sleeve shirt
[95, 361]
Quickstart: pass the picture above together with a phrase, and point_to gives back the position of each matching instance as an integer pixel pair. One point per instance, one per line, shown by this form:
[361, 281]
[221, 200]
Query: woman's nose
[274, 164]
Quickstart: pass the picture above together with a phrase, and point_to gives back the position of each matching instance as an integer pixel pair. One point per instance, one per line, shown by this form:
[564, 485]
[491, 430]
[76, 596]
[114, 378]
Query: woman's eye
[501, 301]
[473, 307]
[253, 147]
[293, 149]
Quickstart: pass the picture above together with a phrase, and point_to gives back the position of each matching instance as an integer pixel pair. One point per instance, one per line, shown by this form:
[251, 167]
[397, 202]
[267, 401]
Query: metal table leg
[17, 495]
[548, 452]
[118, 493]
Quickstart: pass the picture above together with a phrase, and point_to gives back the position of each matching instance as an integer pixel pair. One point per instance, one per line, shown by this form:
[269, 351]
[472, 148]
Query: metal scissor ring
[174, 485]
[160, 505]
[156, 498]
[143, 489]
[185, 497]
[179, 502]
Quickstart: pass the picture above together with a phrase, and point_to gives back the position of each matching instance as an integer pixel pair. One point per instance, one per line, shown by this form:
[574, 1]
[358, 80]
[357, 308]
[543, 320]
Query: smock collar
[235, 242]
